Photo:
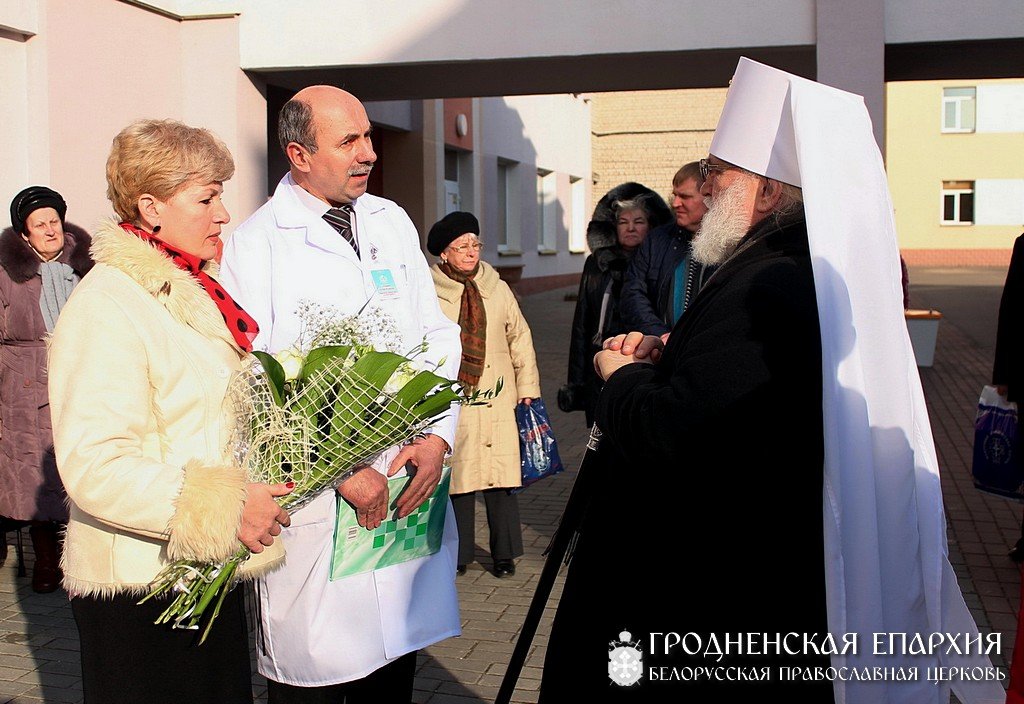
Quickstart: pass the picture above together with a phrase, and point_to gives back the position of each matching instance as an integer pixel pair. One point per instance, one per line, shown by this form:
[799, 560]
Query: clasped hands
[626, 349]
[367, 490]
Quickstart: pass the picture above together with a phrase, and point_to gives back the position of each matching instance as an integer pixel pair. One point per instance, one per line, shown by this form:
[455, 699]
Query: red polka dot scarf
[240, 324]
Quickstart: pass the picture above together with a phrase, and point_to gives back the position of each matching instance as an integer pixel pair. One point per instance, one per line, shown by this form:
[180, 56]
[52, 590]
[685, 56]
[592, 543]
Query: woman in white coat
[496, 344]
[140, 362]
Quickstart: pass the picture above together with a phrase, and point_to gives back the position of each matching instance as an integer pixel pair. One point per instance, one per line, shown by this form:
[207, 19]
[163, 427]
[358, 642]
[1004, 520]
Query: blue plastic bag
[538, 451]
[996, 465]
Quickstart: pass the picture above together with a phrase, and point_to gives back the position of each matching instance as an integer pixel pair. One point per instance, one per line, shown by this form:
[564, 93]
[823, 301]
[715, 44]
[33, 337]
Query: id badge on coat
[384, 284]
[396, 540]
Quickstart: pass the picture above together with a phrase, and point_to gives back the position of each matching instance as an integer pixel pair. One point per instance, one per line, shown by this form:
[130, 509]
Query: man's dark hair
[691, 170]
[295, 124]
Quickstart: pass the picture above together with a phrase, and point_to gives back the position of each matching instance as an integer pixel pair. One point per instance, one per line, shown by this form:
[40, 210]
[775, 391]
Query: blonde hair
[159, 157]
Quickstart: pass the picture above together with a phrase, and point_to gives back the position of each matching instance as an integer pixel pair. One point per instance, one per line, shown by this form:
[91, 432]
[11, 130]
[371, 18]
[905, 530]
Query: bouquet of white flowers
[309, 417]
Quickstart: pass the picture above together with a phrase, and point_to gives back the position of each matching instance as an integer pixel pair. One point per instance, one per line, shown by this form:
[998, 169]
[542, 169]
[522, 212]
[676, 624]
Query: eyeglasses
[463, 248]
[706, 167]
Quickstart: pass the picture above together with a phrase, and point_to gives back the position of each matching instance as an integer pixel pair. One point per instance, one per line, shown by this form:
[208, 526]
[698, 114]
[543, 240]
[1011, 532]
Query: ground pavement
[39, 644]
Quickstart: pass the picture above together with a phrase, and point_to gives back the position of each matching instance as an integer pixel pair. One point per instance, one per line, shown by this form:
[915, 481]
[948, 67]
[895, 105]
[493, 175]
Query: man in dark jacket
[1008, 369]
[662, 278]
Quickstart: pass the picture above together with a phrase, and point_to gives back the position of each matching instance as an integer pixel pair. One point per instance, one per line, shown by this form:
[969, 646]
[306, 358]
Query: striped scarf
[473, 325]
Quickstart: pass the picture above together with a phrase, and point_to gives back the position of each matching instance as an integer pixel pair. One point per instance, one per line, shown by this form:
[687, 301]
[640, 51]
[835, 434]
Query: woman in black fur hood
[42, 258]
[621, 220]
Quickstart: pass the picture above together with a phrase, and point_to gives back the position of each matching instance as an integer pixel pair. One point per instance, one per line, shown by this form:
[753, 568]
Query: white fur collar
[175, 289]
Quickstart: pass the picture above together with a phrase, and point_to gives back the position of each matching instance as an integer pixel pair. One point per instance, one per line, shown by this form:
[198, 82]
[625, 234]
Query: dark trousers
[391, 684]
[126, 659]
[502, 519]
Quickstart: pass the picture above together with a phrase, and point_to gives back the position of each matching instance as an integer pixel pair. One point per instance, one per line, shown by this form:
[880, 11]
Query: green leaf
[320, 378]
[436, 404]
[275, 375]
[220, 588]
[372, 370]
[365, 381]
[377, 367]
[366, 433]
[321, 356]
[418, 387]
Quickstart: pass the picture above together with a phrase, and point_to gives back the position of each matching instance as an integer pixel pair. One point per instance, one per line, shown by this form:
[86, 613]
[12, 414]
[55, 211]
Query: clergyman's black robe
[706, 515]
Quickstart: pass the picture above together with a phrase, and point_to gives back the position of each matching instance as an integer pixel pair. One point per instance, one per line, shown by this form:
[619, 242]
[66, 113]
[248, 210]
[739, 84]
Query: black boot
[1017, 553]
[6, 525]
[46, 574]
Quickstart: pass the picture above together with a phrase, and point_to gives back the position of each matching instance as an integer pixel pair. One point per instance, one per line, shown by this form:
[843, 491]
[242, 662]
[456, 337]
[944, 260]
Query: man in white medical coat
[353, 639]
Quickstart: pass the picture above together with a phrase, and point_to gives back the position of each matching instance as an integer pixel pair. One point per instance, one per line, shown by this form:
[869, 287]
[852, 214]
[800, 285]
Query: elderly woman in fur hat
[42, 257]
[139, 367]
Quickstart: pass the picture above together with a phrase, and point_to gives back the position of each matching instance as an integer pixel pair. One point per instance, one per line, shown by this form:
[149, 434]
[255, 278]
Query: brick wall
[956, 257]
[646, 136]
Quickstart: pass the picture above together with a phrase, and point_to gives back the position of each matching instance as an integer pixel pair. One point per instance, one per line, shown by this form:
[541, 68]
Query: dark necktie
[340, 219]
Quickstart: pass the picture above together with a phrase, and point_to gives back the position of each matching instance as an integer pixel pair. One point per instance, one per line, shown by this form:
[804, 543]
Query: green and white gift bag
[396, 540]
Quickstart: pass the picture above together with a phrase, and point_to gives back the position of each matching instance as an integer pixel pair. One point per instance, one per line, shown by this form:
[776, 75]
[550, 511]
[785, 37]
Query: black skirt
[126, 659]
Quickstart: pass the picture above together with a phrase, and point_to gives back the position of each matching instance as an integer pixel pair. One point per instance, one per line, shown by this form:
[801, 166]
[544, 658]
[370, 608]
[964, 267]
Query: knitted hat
[449, 228]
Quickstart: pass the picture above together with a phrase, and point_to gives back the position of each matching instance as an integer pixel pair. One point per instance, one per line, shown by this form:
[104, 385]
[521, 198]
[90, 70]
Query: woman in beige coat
[496, 344]
[140, 362]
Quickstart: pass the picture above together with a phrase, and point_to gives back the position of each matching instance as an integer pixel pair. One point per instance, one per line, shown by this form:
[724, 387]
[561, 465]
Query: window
[507, 208]
[578, 233]
[547, 205]
[958, 107]
[452, 197]
[958, 202]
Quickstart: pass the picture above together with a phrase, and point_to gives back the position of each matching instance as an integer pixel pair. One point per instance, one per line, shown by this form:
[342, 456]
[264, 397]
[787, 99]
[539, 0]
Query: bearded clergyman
[766, 495]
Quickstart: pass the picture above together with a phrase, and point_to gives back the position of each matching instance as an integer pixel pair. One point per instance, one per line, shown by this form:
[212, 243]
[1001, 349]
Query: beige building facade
[956, 169]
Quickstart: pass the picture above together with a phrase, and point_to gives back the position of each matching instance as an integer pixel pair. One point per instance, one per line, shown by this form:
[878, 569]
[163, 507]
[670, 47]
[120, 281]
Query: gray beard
[722, 227]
